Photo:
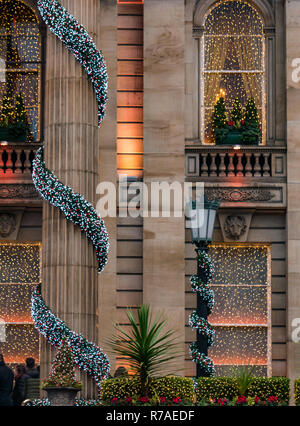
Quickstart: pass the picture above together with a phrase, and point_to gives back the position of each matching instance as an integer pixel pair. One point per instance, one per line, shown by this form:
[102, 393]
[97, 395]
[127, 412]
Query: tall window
[232, 61]
[20, 65]
[242, 313]
[19, 274]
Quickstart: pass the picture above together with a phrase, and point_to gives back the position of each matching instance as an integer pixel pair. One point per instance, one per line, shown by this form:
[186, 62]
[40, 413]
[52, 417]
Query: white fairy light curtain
[242, 312]
[232, 59]
[19, 274]
[20, 63]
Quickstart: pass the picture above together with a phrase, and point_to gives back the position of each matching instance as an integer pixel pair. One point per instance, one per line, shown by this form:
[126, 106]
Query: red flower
[243, 122]
[129, 399]
[162, 399]
[144, 399]
[114, 400]
[176, 400]
[230, 123]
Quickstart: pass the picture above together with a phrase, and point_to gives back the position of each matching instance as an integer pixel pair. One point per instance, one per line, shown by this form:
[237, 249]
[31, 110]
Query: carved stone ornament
[8, 224]
[235, 227]
[18, 191]
[240, 195]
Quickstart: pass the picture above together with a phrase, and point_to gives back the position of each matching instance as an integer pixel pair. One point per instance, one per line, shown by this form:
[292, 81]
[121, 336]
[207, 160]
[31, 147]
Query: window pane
[19, 263]
[233, 53]
[19, 273]
[20, 54]
[15, 302]
[240, 305]
[239, 265]
[234, 17]
[242, 310]
[22, 341]
[232, 62]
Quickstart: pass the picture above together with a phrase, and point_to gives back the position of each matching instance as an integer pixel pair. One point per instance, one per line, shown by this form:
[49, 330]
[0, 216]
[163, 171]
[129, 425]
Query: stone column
[69, 265]
[293, 185]
[108, 173]
[164, 81]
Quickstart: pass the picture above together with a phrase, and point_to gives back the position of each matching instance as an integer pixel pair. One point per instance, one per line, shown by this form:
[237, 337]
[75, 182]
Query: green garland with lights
[200, 285]
[75, 37]
[76, 209]
[87, 356]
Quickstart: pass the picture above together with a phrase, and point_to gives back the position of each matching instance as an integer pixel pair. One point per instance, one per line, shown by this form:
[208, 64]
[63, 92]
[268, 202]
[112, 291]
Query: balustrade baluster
[222, 166]
[18, 163]
[257, 166]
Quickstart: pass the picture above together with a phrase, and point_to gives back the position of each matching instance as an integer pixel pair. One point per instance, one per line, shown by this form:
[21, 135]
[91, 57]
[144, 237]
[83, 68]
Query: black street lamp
[202, 216]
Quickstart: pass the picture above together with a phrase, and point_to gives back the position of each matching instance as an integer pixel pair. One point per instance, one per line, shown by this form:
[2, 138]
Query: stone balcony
[16, 185]
[244, 177]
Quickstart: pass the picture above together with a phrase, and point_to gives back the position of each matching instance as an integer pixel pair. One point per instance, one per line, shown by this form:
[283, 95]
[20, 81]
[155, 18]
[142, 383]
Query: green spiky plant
[244, 378]
[148, 348]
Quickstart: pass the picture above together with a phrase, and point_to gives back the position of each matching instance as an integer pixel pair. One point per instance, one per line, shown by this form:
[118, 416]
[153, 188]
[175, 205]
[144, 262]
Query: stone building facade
[154, 130]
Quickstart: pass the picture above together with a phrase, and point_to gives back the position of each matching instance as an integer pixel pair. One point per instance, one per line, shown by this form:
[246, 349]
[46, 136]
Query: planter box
[236, 137]
[13, 134]
[61, 397]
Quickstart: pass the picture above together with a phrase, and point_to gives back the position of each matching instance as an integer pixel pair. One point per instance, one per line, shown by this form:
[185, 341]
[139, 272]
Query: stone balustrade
[16, 159]
[227, 162]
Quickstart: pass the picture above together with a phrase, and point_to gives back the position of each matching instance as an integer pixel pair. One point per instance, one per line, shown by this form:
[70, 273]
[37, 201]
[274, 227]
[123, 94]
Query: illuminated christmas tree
[21, 117]
[21, 114]
[251, 115]
[219, 120]
[63, 369]
[237, 112]
[7, 113]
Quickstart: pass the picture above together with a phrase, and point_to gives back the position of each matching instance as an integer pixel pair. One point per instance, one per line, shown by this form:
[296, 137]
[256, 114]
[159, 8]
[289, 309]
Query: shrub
[227, 387]
[169, 387]
[216, 388]
[264, 387]
[297, 391]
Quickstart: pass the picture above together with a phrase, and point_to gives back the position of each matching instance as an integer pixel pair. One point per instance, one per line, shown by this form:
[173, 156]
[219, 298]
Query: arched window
[232, 62]
[20, 70]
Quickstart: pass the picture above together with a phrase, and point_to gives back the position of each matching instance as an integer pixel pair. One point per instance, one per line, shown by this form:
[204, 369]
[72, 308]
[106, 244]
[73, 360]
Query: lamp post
[202, 216]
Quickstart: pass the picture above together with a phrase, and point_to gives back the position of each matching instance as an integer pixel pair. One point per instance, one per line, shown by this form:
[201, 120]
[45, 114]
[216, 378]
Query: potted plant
[148, 348]
[242, 128]
[61, 385]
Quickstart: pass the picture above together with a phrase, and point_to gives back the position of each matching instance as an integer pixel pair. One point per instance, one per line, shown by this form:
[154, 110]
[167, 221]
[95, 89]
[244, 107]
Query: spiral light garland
[74, 36]
[87, 356]
[198, 323]
[76, 209]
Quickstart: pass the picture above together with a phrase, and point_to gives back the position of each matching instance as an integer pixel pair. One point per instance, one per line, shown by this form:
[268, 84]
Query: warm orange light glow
[130, 95]
[130, 146]
[130, 2]
[240, 361]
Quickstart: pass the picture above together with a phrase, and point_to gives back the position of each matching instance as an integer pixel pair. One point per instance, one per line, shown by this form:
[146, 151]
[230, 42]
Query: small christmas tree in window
[219, 120]
[21, 114]
[251, 115]
[21, 117]
[237, 113]
[7, 113]
[63, 369]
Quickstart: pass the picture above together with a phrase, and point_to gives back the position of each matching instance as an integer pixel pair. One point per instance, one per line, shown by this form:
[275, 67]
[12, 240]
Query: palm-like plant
[148, 347]
[244, 378]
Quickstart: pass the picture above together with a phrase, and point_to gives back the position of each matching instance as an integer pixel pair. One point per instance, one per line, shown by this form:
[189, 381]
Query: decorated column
[69, 263]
